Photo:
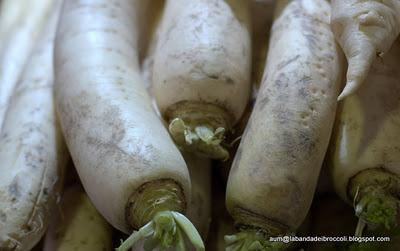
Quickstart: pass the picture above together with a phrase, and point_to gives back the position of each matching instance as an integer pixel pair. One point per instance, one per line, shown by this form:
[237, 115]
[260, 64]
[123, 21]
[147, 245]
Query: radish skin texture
[275, 170]
[21, 23]
[366, 141]
[128, 164]
[32, 150]
[201, 72]
[78, 226]
[365, 29]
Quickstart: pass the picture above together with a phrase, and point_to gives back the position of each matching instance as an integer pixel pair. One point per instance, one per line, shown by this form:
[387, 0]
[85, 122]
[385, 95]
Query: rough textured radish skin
[366, 133]
[116, 140]
[18, 36]
[79, 226]
[365, 30]
[276, 167]
[203, 54]
[32, 151]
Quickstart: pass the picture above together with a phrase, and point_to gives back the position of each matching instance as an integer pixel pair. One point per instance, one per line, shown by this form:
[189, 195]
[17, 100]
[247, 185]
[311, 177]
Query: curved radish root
[365, 30]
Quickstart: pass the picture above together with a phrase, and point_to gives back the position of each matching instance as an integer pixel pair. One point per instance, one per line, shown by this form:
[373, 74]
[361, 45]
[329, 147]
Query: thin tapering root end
[200, 139]
[350, 88]
[166, 230]
[251, 240]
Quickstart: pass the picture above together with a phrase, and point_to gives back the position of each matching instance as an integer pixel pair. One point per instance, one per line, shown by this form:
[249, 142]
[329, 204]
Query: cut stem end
[375, 197]
[251, 240]
[166, 230]
[201, 139]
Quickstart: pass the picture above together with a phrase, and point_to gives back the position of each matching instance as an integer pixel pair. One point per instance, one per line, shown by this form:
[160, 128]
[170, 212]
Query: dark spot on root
[194, 16]
[213, 76]
[305, 80]
[303, 92]
[312, 40]
[27, 227]
[282, 81]
[229, 80]
[263, 102]
[287, 62]
[3, 216]
[199, 28]
[14, 189]
[307, 142]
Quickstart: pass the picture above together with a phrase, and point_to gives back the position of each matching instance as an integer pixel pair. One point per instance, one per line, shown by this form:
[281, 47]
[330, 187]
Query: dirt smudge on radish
[285, 63]
[3, 216]
[263, 103]
[282, 81]
[14, 189]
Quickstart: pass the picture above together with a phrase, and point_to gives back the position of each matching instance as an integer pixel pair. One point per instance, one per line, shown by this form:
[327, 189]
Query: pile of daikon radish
[198, 124]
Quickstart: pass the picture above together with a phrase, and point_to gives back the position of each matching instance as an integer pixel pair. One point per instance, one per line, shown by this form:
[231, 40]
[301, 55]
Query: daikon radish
[365, 155]
[21, 23]
[366, 29]
[273, 178]
[32, 150]
[201, 72]
[127, 162]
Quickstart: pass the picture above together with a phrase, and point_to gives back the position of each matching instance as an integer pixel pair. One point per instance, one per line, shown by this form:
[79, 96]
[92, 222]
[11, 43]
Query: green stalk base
[254, 232]
[155, 209]
[252, 240]
[375, 195]
[165, 230]
[200, 128]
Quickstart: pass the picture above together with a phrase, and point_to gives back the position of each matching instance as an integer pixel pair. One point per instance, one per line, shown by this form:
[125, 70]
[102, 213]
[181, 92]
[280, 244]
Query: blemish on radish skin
[14, 188]
[304, 115]
[3, 216]
[303, 92]
[199, 28]
[287, 62]
[281, 115]
[194, 16]
[312, 40]
[282, 81]
[263, 102]
[229, 80]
